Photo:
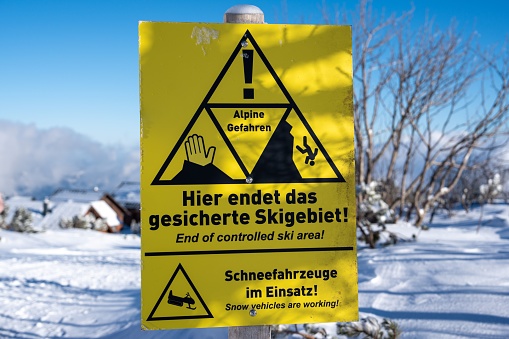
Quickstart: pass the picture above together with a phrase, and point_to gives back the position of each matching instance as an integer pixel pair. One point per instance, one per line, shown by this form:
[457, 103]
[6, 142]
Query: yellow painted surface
[248, 201]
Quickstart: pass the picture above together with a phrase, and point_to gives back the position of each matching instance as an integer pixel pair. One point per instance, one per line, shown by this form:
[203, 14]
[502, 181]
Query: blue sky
[74, 63]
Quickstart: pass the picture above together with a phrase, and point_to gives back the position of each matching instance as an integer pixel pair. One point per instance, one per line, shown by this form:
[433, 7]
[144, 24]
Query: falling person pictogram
[310, 157]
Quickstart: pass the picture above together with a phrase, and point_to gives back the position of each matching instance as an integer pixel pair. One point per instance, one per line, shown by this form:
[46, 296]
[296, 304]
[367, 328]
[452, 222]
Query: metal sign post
[246, 14]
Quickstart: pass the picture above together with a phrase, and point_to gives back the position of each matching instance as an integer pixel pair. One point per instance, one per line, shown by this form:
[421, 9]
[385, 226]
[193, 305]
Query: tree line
[430, 109]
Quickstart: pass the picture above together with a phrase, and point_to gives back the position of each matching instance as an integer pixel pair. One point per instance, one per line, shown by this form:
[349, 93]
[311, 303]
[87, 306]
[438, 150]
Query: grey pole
[243, 14]
[246, 14]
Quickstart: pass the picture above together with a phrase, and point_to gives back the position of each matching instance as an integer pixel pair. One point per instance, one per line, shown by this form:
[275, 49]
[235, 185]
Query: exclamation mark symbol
[345, 214]
[247, 57]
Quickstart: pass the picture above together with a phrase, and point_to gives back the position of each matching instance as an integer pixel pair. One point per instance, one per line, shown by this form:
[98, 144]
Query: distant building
[76, 195]
[100, 209]
[123, 214]
[127, 194]
[118, 210]
[62, 211]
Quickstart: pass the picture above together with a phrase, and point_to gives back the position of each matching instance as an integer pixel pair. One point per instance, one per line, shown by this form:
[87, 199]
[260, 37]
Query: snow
[64, 210]
[244, 9]
[28, 203]
[452, 282]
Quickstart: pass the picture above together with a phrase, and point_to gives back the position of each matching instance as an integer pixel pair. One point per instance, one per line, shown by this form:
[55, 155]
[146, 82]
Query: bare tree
[425, 101]
[374, 38]
[448, 155]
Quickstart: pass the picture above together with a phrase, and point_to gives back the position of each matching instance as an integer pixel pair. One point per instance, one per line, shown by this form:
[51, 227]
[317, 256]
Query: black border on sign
[205, 105]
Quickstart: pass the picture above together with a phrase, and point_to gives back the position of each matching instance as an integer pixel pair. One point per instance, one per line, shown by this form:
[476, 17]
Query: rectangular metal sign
[247, 175]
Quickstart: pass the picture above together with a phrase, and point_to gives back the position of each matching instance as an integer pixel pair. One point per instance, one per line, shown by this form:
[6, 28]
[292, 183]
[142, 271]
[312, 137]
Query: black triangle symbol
[283, 172]
[179, 301]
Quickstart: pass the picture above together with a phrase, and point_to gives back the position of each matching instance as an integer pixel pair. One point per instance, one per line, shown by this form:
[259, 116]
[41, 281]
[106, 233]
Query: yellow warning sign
[247, 183]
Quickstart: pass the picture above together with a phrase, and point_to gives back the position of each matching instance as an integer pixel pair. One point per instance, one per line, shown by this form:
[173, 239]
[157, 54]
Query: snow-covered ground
[453, 282]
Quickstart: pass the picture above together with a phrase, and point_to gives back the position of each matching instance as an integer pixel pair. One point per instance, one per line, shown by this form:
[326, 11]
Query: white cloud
[36, 161]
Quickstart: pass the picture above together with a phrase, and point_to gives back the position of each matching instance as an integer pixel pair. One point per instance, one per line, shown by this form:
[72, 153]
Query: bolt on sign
[247, 175]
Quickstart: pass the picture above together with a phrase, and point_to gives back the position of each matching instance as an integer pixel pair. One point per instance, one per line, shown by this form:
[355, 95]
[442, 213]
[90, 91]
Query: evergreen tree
[3, 217]
[22, 221]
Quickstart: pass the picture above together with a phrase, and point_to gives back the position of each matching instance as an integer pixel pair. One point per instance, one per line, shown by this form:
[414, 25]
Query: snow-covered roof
[57, 211]
[64, 210]
[76, 195]
[64, 205]
[31, 205]
[106, 212]
[127, 192]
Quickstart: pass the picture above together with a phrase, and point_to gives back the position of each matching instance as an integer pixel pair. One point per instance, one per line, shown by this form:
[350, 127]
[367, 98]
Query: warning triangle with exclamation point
[245, 133]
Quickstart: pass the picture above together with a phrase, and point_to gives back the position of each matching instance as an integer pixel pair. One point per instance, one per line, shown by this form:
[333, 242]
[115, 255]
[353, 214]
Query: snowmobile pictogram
[180, 301]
